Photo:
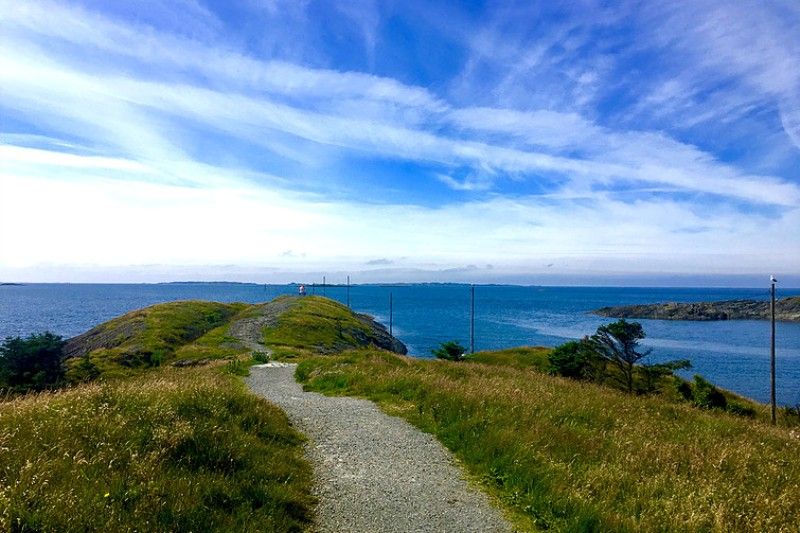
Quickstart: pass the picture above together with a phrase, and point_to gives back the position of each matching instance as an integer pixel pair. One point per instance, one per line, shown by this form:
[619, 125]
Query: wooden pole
[772, 352]
[472, 320]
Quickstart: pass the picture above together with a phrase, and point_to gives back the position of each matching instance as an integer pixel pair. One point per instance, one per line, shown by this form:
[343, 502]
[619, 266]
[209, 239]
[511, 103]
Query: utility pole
[348, 292]
[472, 319]
[773, 281]
[390, 314]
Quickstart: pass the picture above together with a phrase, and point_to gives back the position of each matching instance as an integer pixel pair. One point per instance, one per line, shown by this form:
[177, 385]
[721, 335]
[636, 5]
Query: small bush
[706, 395]
[237, 367]
[451, 351]
[32, 363]
[261, 357]
[82, 370]
[573, 359]
[685, 390]
[791, 414]
[741, 409]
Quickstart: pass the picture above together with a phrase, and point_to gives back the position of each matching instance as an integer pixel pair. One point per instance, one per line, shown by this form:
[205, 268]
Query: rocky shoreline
[786, 309]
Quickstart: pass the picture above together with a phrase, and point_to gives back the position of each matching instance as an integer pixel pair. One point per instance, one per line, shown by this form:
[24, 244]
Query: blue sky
[270, 140]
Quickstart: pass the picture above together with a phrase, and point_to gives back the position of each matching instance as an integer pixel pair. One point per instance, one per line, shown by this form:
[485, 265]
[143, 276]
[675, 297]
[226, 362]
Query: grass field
[170, 450]
[573, 456]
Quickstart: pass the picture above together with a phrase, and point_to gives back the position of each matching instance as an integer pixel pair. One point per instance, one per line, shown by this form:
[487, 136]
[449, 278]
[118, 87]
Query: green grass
[158, 334]
[169, 450]
[315, 324]
[573, 456]
[532, 357]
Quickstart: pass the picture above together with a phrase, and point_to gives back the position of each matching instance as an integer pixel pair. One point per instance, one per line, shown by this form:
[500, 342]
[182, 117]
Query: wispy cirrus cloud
[124, 102]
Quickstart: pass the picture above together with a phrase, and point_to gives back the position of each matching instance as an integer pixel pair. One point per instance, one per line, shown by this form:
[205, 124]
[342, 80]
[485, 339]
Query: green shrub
[573, 359]
[237, 367]
[706, 395]
[451, 351]
[791, 414]
[32, 363]
[81, 370]
[685, 390]
[741, 409]
[261, 357]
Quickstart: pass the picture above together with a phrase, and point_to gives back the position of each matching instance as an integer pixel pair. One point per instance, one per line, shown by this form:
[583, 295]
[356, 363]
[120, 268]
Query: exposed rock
[190, 362]
[107, 335]
[379, 336]
[787, 309]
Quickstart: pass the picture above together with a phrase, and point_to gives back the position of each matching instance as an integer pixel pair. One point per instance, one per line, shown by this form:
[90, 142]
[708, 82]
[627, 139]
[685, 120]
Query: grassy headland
[312, 325]
[570, 455]
[148, 446]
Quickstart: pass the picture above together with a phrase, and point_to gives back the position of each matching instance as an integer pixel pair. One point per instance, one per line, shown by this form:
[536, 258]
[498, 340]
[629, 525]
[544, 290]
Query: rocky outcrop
[378, 335]
[787, 309]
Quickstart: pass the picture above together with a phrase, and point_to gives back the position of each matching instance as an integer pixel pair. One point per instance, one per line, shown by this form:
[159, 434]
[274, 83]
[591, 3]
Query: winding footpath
[374, 472]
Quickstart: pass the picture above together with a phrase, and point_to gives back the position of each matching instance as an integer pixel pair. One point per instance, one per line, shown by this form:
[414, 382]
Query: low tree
[32, 363]
[574, 359]
[618, 343]
[652, 375]
[451, 351]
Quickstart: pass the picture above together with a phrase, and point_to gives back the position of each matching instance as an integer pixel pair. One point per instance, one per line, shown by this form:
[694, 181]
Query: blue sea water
[733, 354]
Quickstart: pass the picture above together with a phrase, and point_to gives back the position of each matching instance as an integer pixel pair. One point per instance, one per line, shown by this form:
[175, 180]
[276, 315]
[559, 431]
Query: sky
[583, 142]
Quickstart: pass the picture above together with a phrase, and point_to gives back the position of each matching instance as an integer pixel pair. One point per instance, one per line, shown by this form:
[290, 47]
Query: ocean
[732, 354]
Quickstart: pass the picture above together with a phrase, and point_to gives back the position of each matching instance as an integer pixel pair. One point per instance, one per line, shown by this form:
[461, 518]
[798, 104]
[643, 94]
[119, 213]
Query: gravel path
[374, 472]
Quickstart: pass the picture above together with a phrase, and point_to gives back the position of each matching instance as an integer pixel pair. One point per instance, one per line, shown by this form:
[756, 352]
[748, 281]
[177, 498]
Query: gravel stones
[374, 472]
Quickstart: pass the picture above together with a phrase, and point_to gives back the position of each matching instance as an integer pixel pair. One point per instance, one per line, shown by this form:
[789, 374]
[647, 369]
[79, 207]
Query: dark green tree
[652, 375]
[618, 343]
[451, 351]
[32, 363]
[574, 359]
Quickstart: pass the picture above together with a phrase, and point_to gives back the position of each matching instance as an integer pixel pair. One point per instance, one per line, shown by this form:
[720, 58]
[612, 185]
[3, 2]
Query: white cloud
[136, 190]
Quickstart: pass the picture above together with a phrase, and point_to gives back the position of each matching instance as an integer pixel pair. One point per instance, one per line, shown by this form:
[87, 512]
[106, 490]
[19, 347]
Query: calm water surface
[733, 354]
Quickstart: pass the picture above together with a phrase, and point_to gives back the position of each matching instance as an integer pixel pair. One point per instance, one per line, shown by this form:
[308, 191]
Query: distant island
[787, 309]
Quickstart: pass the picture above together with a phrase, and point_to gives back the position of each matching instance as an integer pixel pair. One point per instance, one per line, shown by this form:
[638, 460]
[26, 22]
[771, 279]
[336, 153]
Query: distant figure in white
[302, 290]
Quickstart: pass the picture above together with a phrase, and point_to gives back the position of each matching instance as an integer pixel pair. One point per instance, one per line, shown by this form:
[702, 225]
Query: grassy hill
[313, 325]
[575, 456]
[193, 330]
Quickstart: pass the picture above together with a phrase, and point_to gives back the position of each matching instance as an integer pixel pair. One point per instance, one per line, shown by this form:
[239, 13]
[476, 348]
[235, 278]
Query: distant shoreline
[786, 309]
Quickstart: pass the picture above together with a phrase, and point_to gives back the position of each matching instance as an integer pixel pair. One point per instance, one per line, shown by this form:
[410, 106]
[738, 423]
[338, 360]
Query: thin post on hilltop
[472, 319]
[773, 403]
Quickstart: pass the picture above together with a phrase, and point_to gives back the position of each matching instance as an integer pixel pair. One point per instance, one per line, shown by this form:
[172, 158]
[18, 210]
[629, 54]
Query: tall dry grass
[574, 456]
[175, 449]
